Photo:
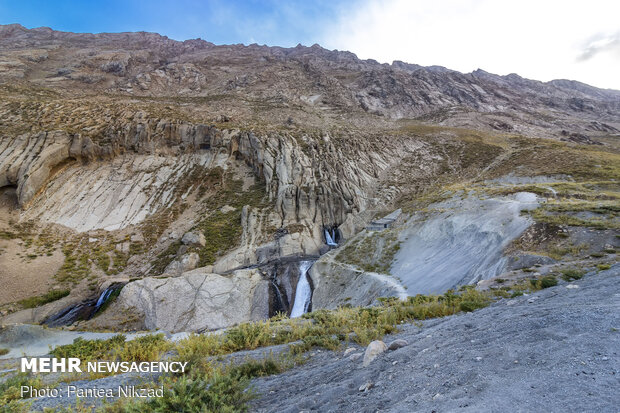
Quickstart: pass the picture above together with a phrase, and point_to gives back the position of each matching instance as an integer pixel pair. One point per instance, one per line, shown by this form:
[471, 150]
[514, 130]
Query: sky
[538, 39]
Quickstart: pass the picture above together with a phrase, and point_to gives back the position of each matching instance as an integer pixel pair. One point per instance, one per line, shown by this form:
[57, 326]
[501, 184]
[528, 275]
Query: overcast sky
[538, 39]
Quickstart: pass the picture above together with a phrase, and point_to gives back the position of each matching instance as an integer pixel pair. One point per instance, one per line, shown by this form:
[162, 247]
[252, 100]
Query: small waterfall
[81, 311]
[104, 297]
[330, 236]
[303, 293]
[277, 304]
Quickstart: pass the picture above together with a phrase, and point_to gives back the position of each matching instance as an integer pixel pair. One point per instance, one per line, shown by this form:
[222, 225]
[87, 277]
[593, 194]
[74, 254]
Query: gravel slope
[555, 351]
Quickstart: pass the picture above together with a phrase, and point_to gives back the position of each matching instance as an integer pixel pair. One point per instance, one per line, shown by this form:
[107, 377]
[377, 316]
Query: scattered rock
[194, 239]
[226, 208]
[355, 356]
[349, 351]
[186, 263]
[396, 344]
[572, 286]
[372, 351]
[123, 247]
[366, 386]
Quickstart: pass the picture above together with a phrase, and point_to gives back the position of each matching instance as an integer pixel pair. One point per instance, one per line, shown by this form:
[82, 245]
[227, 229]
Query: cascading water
[103, 297]
[330, 236]
[81, 311]
[303, 292]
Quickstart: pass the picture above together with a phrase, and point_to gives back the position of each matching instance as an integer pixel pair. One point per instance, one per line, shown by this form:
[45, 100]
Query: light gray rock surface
[337, 283]
[197, 300]
[461, 244]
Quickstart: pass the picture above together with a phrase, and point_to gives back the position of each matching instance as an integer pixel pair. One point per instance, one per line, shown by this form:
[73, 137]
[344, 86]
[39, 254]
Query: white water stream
[329, 238]
[303, 292]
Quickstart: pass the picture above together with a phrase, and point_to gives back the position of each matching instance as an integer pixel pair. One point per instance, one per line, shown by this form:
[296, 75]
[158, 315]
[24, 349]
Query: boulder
[194, 239]
[197, 300]
[396, 344]
[187, 262]
[355, 356]
[372, 351]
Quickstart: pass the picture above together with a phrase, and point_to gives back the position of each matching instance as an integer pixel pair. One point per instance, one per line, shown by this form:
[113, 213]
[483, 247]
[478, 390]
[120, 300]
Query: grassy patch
[48, 297]
[373, 252]
[10, 390]
[328, 329]
[222, 230]
[144, 348]
[76, 265]
[4, 351]
[544, 282]
[571, 274]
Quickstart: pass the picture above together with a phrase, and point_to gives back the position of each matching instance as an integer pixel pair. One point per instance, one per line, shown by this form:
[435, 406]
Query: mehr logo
[51, 365]
[73, 365]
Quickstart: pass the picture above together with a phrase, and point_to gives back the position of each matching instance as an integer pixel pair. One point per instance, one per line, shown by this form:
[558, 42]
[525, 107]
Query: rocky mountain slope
[150, 184]
[116, 145]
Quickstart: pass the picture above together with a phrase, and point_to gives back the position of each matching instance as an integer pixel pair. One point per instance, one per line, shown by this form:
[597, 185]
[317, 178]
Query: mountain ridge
[310, 82]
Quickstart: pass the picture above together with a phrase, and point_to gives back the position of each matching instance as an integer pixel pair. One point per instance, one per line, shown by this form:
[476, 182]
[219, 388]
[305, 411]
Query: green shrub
[4, 351]
[225, 393]
[548, 281]
[48, 297]
[10, 389]
[570, 274]
[603, 267]
[144, 348]
[469, 306]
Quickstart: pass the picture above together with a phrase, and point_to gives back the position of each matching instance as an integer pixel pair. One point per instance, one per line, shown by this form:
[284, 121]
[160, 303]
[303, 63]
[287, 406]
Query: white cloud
[538, 39]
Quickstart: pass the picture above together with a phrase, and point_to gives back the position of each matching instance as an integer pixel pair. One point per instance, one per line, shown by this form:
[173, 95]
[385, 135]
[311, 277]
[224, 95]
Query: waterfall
[81, 311]
[303, 293]
[329, 238]
[103, 297]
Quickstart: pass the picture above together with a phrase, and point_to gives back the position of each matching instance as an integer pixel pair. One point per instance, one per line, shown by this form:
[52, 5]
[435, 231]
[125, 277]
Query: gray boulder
[197, 300]
[372, 351]
[396, 344]
[187, 262]
[194, 239]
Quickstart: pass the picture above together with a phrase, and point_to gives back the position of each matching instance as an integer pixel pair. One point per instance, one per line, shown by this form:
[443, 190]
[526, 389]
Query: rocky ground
[557, 350]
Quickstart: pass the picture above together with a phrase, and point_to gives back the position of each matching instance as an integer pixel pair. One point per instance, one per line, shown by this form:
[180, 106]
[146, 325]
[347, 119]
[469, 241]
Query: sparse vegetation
[571, 274]
[143, 348]
[373, 252]
[48, 297]
[10, 391]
